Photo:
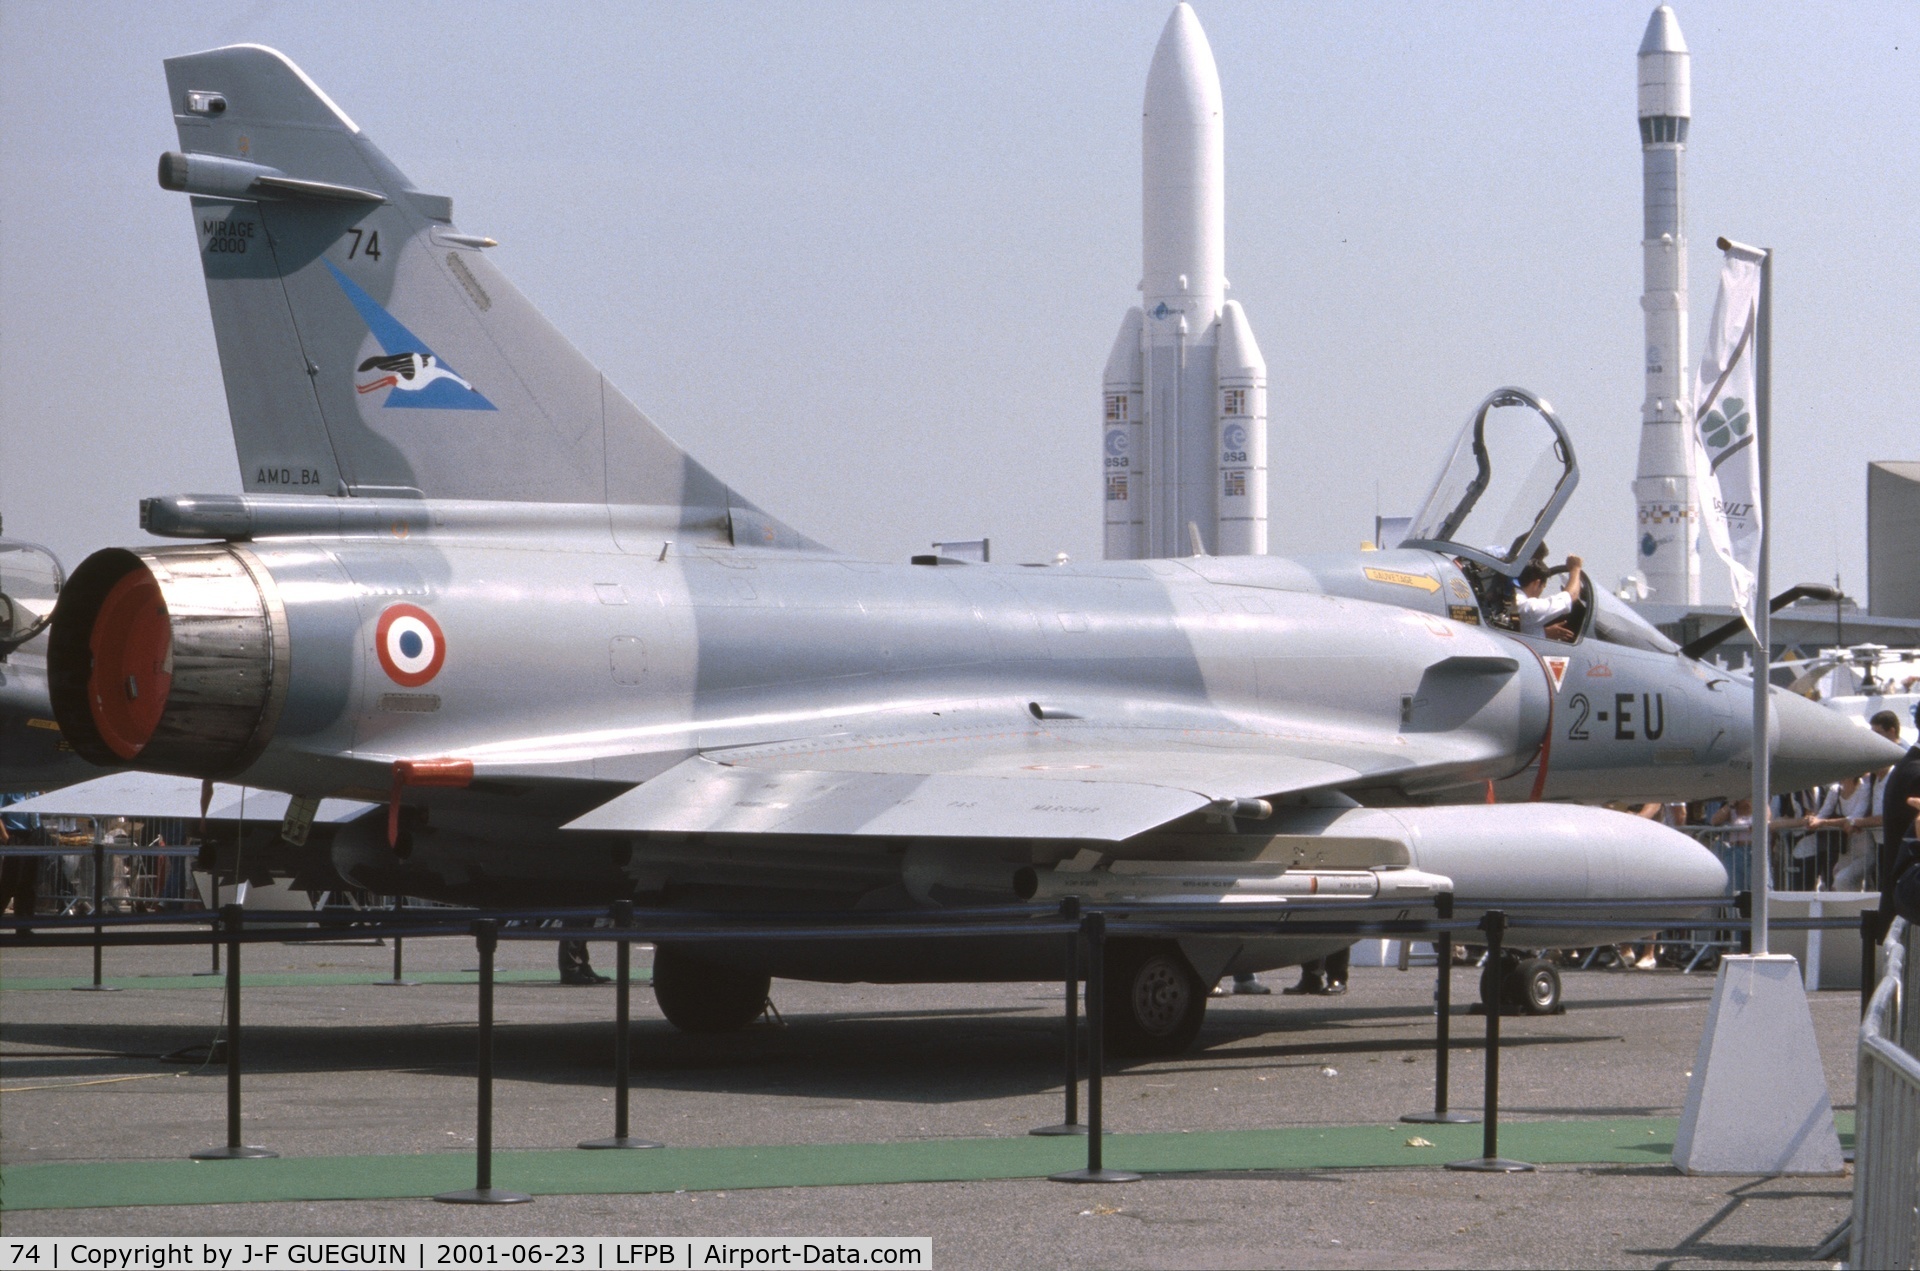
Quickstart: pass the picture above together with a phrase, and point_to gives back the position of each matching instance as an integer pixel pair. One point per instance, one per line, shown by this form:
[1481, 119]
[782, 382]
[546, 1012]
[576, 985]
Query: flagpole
[1759, 850]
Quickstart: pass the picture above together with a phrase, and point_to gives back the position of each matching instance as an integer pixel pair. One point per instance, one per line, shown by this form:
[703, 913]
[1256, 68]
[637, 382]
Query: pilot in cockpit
[1546, 617]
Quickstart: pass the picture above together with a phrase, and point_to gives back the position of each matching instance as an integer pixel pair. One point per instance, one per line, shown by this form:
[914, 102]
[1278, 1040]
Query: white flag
[1726, 463]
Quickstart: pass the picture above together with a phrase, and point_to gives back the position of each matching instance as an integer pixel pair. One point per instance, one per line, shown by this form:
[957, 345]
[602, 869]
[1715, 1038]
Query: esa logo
[1233, 443]
[1117, 448]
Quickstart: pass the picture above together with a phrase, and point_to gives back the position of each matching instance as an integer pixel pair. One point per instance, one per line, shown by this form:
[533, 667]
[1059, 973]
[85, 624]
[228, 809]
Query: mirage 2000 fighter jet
[471, 583]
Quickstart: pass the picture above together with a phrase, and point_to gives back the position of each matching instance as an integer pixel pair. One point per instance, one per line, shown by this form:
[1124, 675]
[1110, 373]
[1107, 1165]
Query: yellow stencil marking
[1399, 579]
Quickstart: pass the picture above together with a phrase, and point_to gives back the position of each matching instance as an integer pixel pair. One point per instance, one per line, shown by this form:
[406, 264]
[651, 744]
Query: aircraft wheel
[1536, 983]
[1526, 986]
[1154, 998]
[701, 997]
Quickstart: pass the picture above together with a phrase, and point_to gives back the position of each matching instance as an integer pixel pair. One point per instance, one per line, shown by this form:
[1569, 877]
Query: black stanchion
[234, 1150]
[1874, 926]
[1743, 902]
[486, 934]
[99, 902]
[399, 980]
[1095, 926]
[1070, 911]
[623, 922]
[213, 880]
[214, 969]
[1490, 1161]
[1443, 1025]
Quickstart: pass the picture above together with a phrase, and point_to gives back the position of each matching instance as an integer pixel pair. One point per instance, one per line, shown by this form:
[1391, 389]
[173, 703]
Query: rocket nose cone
[1816, 744]
[1183, 73]
[1663, 33]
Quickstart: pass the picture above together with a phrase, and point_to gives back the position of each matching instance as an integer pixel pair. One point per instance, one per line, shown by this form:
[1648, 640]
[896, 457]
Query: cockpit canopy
[30, 581]
[1510, 472]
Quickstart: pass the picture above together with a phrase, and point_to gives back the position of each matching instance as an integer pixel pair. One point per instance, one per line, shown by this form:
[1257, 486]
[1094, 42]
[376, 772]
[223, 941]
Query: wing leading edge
[1091, 792]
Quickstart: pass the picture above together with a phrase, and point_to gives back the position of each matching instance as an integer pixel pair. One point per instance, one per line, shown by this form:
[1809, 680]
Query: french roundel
[410, 645]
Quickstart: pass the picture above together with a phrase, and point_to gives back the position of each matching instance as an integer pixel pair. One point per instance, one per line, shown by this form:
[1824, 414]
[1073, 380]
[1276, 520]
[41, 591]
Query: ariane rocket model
[1185, 411]
[1668, 521]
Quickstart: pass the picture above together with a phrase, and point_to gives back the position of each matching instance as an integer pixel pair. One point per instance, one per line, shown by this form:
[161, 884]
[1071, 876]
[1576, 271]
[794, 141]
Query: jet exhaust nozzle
[173, 660]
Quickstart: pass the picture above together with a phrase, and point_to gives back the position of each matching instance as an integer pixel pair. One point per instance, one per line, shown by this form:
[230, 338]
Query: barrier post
[213, 880]
[1096, 1172]
[1070, 912]
[622, 922]
[1490, 1161]
[234, 1150]
[1743, 903]
[1443, 1025]
[1874, 926]
[214, 943]
[486, 934]
[99, 902]
[399, 981]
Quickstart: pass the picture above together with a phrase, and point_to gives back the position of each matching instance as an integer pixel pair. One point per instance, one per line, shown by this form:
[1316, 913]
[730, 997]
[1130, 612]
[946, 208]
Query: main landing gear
[698, 996]
[1154, 999]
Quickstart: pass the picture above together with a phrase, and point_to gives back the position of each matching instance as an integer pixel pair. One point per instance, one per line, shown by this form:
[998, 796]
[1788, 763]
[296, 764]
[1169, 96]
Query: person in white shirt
[1857, 805]
[1543, 617]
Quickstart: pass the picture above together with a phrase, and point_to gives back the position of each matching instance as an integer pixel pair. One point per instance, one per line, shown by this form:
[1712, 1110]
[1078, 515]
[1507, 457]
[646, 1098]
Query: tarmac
[877, 1110]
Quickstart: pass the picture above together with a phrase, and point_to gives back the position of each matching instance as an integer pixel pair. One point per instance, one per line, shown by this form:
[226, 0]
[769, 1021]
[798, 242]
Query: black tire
[701, 997]
[1154, 1001]
[1536, 984]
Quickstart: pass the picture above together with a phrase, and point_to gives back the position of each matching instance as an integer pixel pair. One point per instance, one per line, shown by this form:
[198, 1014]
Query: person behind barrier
[19, 875]
[576, 967]
[1896, 817]
[1244, 985]
[1323, 977]
[1857, 815]
[1906, 887]
[1645, 957]
[1796, 820]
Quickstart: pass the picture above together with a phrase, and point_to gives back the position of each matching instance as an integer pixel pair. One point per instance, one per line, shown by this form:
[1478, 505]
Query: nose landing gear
[1522, 986]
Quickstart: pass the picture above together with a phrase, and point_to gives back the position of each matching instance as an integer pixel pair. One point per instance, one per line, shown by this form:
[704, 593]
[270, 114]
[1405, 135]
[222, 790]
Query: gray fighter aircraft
[470, 581]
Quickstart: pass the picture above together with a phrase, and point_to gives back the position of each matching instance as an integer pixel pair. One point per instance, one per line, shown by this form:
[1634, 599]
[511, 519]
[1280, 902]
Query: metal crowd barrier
[1885, 1230]
[1077, 923]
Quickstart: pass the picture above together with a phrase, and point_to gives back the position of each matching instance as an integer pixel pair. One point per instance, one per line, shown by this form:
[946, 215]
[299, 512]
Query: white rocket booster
[1185, 418]
[1668, 520]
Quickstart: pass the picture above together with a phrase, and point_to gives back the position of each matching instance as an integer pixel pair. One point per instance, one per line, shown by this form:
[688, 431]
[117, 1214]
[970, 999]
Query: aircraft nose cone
[1815, 744]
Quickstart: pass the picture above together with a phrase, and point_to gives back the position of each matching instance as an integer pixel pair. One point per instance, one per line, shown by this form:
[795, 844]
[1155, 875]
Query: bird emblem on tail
[405, 372]
[418, 378]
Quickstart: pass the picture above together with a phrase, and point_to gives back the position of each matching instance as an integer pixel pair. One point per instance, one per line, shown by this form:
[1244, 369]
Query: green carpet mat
[91, 1184]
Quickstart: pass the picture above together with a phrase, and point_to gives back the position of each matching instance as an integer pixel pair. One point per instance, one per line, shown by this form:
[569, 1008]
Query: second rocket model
[1667, 502]
[1185, 418]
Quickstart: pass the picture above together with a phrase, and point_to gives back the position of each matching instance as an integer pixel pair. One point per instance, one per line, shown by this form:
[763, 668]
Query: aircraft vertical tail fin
[369, 347]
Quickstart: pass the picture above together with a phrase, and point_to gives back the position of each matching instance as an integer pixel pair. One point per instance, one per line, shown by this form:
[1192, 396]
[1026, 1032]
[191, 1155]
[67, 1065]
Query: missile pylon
[1185, 391]
[1667, 521]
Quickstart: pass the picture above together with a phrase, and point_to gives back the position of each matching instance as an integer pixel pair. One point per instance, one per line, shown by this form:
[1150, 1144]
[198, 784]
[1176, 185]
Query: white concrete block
[1837, 964]
[1758, 1100]
[1375, 953]
[1387, 953]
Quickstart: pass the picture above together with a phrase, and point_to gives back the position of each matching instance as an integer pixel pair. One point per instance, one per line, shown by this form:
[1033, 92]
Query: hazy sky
[866, 260]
